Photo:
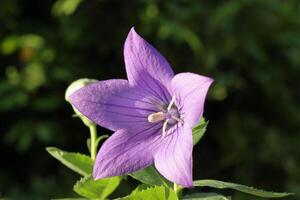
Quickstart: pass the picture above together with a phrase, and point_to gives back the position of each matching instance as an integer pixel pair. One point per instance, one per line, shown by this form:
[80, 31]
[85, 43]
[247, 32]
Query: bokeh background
[250, 47]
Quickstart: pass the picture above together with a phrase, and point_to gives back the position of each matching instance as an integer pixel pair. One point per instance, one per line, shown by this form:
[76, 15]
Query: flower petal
[113, 104]
[127, 151]
[190, 91]
[146, 67]
[174, 158]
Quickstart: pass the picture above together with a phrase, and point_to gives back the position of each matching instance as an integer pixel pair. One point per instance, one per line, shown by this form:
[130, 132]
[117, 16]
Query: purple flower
[152, 114]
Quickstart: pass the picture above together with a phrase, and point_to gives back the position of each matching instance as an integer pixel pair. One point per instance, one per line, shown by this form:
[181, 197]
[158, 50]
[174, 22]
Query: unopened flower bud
[76, 85]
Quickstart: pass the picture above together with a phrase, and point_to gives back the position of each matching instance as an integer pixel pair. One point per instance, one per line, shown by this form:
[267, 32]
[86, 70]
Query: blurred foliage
[250, 47]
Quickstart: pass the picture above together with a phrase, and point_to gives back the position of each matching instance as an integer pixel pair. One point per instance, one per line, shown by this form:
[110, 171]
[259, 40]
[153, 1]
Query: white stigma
[171, 103]
[165, 128]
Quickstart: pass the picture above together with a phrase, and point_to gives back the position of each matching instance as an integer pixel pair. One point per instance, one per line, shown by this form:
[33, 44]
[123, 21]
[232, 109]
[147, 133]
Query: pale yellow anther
[156, 117]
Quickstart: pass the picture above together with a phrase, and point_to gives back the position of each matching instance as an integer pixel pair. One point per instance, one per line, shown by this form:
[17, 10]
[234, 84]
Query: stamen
[156, 117]
[169, 115]
[171, 103]
[177, 119]
[164, 128]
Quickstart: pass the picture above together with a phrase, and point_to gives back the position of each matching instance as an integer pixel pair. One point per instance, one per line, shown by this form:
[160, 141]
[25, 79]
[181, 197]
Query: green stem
[93, 131]
[177, 189]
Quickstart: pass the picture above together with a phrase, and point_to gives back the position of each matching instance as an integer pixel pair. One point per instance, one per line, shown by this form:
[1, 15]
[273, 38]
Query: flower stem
[93, 132]
[175, 187]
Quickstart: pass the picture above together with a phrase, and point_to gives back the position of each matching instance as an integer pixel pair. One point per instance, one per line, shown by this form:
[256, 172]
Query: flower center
[170, 116]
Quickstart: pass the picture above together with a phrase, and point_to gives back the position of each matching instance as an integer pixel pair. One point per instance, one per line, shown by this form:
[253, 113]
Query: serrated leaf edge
[68, 164]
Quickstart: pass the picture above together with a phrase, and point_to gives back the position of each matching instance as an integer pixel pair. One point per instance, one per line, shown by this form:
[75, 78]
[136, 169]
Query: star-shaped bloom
[152, 115]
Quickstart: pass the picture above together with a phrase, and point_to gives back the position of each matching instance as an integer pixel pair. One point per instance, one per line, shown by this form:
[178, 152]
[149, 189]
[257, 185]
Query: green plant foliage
[240, 188]
[205, 196]
[65, 7]
[251, 48]
[71, 199]
[79, 163]
[150, 176]
[96, 189]
[155, 193]
[140, 187]
[199, 130]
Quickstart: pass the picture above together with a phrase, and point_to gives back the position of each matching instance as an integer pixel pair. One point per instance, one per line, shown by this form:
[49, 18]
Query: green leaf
[70, 199]
[140, 188]
[96, 189]
[205, 196]
[155, 193]
[65, 7]
[79, 163]
[150, 176]
[199, 130]
[242, 188]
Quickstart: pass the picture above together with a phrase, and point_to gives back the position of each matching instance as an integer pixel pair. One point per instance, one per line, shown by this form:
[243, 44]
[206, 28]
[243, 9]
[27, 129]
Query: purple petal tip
[133, 36]
[132, 31]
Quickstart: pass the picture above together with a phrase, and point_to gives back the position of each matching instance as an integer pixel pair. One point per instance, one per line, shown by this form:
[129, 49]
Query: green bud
[72, 88]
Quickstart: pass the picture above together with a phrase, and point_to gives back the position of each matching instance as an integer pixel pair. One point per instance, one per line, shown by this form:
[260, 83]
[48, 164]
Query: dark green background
[251, 48]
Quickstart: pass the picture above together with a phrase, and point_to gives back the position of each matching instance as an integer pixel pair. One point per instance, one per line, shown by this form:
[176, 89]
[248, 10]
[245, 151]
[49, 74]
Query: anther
[156, 117]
